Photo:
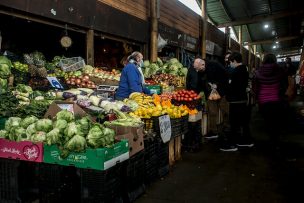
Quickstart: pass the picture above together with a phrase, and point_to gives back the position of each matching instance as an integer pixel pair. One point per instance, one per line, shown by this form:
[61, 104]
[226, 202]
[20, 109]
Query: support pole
[255, 56]
[241, 39]
[227, 41]
[90, 47]
[249, 58]
[204, 27]
[154, 31]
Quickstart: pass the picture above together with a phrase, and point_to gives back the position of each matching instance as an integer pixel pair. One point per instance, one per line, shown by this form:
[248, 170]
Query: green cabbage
[38, 136]
[24, 88]
[30, 130]
[53, 137]
[19, 134]
[65, 115]
[71, 130]
[28, 121]
[95, 137]
[173, 60]
[3, 134]
[159, 62]
[44, 125]
[84, 124]
[12, 122]
[3, 86]
[183, 71]
[5, 67]
[146, 63]
[76, 144]
[61, 124]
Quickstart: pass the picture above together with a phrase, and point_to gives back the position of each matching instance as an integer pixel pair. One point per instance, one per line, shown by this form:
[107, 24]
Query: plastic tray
[71, 64]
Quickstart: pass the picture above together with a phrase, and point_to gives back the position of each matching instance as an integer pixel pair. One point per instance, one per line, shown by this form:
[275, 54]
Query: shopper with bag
[239, 110]
[217, 105]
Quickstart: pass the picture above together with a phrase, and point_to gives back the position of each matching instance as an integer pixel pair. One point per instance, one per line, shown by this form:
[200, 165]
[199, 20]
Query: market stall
[55, 116]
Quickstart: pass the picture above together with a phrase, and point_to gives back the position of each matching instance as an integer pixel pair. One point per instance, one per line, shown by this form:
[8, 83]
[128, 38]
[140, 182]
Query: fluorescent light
[266, 26]
[277, 42]
[274, 47]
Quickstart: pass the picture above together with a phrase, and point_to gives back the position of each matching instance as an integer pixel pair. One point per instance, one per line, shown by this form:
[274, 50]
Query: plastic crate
[151, 160]
[9, 187]
[100, 186]
[184, 124]
[176, 127]
[193, 138]
[71, 64]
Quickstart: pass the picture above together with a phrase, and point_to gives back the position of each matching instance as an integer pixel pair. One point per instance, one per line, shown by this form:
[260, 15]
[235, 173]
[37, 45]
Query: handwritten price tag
[165, 128]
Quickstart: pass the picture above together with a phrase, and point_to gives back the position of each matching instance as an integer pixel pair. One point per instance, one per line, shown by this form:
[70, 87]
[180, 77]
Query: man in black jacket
[238, 108]
[195, 76]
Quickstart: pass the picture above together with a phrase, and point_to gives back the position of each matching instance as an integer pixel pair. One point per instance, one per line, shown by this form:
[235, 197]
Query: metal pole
[204, 27]
[90, 47]
[241, 39]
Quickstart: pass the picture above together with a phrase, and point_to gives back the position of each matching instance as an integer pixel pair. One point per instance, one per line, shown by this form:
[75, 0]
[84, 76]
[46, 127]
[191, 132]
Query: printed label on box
[23, 150]
[68, 107]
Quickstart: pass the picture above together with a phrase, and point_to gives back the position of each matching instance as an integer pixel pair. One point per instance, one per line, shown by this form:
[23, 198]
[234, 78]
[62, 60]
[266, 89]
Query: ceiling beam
[262, 18]
[269, 7]
[279, 39]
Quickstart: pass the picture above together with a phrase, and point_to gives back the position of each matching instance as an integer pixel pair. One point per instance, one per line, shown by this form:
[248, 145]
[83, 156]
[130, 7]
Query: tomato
[190, 99]
[186, 96]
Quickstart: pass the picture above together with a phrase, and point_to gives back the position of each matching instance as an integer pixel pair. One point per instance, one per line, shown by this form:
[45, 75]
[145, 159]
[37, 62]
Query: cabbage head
[3, 86]
[183, 71]
[20, 134]
[61, 124]
[44, 125]
[84, 124]
[65, 115]
[28, 121]
[5, 67]
[146, 63]
[53, 137]
[173, 61]
[12, 122]
[38, 136]
[95, 137]
[3, 134]
[31, 129]
[71, 130]
[76, 144]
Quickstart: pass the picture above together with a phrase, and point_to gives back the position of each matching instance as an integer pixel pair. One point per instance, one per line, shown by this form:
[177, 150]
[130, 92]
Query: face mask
[232, 65]
[141, 63]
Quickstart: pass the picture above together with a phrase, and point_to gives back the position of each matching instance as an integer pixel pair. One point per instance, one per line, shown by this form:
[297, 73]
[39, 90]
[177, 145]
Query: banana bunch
[142, 100]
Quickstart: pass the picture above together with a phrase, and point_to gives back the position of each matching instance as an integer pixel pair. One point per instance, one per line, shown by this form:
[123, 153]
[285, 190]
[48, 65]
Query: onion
[86, 77]
[89, 86]
[72, 83]
[77, 81]
[72, 79]
[83, 84]
[80, 77]
[68, 82]
[93, 86]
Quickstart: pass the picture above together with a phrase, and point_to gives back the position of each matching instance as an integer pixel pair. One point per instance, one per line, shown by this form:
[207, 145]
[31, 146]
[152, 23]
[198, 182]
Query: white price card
[54, 82]
[165, 128]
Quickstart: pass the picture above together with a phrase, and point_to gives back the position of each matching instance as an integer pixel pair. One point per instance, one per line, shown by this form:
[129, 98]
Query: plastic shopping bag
[214, 95]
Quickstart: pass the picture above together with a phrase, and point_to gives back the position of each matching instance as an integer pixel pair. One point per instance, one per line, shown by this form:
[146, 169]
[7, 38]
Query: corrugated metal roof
[223, 11]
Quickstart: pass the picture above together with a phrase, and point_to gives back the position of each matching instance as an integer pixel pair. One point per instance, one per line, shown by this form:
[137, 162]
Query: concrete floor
[258, 175]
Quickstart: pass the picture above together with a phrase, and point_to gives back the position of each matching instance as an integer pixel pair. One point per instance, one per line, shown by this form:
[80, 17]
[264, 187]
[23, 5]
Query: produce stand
[80, 139]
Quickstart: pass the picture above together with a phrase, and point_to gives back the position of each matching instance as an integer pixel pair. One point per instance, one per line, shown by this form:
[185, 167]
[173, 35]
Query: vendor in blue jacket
[132, 78]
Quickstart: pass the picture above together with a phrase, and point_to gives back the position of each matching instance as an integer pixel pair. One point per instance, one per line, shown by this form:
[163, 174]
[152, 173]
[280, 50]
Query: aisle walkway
[257, 175]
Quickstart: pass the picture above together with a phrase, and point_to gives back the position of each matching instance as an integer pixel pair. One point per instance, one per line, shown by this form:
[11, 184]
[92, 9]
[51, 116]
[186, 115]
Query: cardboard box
[196, 117]
[98, 159]
[23, 150]
[135, 135]
[57, 106]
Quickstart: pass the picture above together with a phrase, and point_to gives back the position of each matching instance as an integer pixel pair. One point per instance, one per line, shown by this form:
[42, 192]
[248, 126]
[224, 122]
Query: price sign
[165, 128]
[54, 82]
[68, 107]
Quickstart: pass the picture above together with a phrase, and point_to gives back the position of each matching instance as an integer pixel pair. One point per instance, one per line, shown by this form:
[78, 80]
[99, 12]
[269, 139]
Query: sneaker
[249, 144]
[245, 143]
[210, 136]
[228, 148]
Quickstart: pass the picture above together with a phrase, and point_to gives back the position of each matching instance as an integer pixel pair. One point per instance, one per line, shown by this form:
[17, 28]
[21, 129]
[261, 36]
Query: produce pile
[69, 133]
[5, 72]
[173, 67]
